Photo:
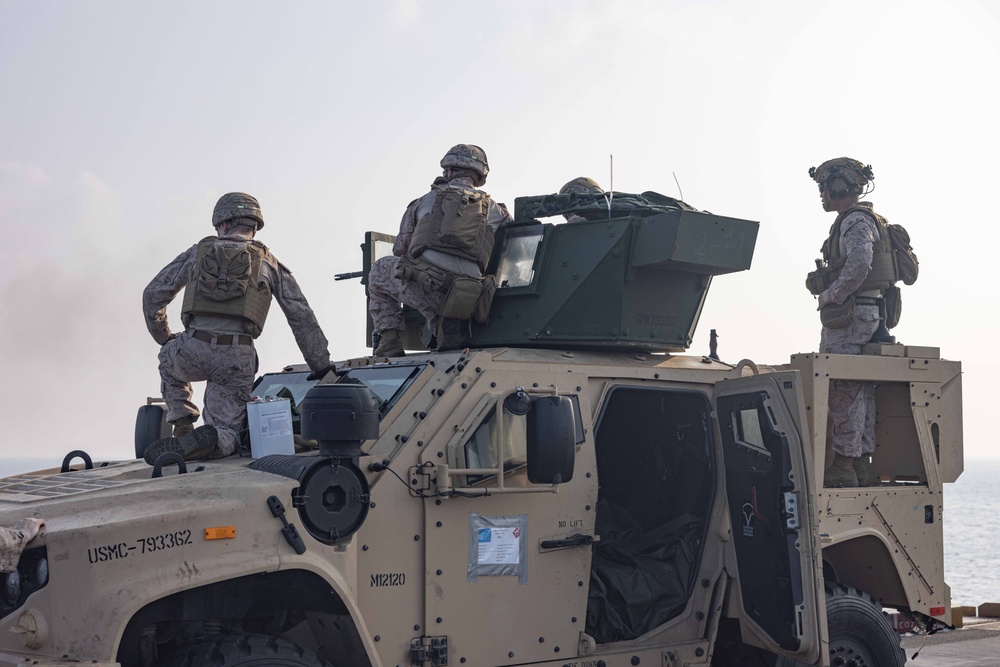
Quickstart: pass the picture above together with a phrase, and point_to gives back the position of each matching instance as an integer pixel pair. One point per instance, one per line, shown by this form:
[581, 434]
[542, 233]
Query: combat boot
[451, 334]
[183, 426]
[389, 344]
[861, 471]
[195, 445]
[841, 472]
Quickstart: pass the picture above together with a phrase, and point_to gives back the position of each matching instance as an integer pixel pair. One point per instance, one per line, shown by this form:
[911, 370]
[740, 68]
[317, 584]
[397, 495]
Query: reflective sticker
[220, 533]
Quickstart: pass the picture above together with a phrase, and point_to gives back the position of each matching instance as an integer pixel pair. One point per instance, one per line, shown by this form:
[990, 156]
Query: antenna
[611, 189]
[681, 192]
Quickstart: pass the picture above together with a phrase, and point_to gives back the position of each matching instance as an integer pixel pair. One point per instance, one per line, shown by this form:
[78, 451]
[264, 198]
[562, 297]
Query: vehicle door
[772, 556]
[507, 562]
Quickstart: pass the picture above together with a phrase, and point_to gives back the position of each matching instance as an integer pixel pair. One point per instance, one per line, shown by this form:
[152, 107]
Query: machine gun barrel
[348, 276]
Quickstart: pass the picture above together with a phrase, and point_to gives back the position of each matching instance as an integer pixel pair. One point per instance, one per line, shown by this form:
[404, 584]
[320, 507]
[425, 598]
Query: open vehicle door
[773, 556]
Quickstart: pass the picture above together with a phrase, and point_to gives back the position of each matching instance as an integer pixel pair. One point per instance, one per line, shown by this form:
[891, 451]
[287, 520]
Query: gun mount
[635, 273]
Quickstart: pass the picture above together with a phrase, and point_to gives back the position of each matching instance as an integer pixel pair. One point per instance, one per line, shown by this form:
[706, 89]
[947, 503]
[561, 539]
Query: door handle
[577, 540]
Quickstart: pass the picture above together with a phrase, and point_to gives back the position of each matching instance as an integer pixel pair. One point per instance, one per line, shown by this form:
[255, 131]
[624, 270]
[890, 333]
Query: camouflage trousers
[852, 403]
[13, 540]
[228, 371]
[386, 292]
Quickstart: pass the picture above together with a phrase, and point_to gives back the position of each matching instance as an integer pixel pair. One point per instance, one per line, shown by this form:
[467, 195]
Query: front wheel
[860, 632]
[242, 651]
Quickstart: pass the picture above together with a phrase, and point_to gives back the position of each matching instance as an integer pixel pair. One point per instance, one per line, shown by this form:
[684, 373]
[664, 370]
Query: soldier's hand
[824, 299]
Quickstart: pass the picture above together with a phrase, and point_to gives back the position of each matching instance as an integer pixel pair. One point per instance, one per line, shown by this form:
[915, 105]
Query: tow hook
[289, 531]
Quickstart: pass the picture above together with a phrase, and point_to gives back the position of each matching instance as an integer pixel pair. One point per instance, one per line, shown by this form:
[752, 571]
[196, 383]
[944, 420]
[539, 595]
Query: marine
[581, 185]
[856, 270]
[439, 256]
[228, 282]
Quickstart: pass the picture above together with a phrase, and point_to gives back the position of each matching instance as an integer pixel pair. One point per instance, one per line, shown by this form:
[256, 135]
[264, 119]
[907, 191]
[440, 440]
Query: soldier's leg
[176, 375]
[848, 408]
[227, 392]
[384, 295]
[849, 401]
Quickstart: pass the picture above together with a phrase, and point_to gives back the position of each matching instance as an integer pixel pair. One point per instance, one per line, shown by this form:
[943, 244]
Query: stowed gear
[234, 205]
[843, 176]
[467, 156]
[582, 186]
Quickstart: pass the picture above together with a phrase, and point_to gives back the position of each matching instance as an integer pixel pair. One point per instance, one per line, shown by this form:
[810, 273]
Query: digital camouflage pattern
[852, 404]
[229, 370]
[386, 292]
[13, 540]
[234, 205]
[467, 156]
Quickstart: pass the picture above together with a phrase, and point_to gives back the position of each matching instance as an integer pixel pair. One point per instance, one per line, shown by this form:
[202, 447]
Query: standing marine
[439, 256]
[856, 270]
[228, 282]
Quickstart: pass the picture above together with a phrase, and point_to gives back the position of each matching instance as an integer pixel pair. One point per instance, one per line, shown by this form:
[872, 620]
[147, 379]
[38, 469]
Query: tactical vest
[226, 280]
[883, 272]
[456, 225]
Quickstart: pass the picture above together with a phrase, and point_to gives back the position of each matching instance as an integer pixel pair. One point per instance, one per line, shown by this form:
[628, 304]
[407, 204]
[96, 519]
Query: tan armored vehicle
[571, 490]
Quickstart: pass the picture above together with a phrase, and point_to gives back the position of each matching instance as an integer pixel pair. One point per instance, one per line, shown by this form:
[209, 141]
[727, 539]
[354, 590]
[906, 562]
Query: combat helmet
[467, 156]
[843, 176]
[237, 205]
[582, 186]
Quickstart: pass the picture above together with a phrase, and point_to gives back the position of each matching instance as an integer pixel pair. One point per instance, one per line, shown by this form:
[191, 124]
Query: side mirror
[551, 440]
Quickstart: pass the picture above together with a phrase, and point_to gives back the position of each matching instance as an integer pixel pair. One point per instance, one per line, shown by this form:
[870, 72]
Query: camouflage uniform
[228, 369]
[386, 291]
[852, 404]
[13, 540]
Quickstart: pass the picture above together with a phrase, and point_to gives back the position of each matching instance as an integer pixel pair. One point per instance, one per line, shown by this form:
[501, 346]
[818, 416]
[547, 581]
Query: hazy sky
[121, 123]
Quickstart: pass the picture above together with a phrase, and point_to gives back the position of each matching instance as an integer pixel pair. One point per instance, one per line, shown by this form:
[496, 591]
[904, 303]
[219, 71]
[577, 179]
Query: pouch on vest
[838, 316]
[482, 310]
[460, 302]
[816, 281]
[457, 225]
[425, 276]
[893, 306]
[226, 280]
[224, 273]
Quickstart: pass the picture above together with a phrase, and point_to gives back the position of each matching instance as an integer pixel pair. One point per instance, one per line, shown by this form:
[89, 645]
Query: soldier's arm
[860, 235]
[162, 289]
[498, 215]
[301, 318]
[401, 246]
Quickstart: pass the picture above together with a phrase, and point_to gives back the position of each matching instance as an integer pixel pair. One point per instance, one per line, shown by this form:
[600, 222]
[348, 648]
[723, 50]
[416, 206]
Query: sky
[121, 124]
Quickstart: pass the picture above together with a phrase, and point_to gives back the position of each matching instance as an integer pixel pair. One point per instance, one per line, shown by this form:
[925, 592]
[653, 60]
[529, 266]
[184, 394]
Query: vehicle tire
[242, 651]
[860, 632]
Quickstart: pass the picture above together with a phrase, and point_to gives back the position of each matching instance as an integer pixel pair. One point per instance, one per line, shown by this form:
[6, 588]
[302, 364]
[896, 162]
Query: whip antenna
[611, 190]
[681, 192]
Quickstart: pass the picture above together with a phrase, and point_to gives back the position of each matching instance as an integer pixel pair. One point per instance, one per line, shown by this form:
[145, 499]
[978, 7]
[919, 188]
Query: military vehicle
[571, 490]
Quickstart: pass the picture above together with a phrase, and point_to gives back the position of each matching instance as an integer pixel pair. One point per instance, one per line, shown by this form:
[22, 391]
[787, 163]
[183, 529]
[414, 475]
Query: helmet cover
[843, 175]
[582, 186]
[237, 205]
[467, 156]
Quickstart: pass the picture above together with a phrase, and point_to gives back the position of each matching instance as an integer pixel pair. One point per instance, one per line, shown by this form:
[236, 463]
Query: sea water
[971, 527]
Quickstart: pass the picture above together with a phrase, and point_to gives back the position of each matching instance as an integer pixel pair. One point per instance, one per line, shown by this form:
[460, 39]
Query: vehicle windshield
[388, 382]
[292, 385]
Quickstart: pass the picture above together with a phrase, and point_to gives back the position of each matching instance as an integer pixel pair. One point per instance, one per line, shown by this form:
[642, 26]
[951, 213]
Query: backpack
[907, 265]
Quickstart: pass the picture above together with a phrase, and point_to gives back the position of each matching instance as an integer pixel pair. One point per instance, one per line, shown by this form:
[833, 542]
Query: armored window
[480, 450]
[517, 259]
